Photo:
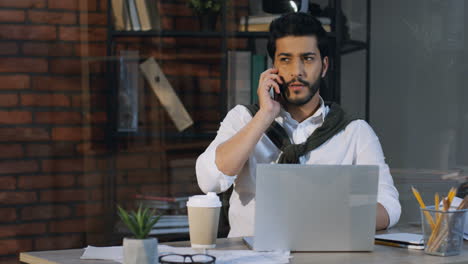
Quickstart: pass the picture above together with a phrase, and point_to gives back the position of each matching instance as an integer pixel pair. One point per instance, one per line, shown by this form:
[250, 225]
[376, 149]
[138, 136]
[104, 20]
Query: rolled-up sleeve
[209, 177]
[369, 152]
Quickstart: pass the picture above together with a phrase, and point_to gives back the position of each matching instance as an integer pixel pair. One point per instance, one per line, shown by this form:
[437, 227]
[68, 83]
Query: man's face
[300, 65]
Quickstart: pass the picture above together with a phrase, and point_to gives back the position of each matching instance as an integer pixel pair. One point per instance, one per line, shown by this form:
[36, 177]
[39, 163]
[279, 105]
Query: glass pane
[418, 93]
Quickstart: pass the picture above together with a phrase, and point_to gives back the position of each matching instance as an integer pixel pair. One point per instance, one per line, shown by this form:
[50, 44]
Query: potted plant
[207, 12]
[139, 249]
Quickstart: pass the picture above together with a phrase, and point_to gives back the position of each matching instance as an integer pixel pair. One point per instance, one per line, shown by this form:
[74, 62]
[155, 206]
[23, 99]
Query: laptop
[315, 207]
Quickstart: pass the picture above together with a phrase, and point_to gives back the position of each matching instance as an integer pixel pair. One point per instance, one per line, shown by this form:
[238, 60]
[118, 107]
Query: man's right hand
[232, 154]
[269, 107]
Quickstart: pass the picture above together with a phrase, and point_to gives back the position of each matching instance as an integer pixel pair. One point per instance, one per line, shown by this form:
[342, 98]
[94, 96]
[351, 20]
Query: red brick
[175, 9]
[126, 193]
[82, 5]
[91, 148]
[30, 32]
[95, 50]
[14, 246]
[50, 149]
[102, 164]
[7, 182]
[16, 82]
[172, 68]
[136, 177]
[45, 100]
[8, 214]
[17, 197]
[11, 151]
[97, 117]
[91, 179]
[45, 212]
[23, 134]
[67, 133]
[77, 133]
[48, 49]
[154, 189]
[23, 65]
[18, 166]
[96, 195]
[74, 66]
[210, 85]
[7, 48]
[59, 242]
[22, 229]
[93, 100]
[12, 16]
[63, 165]
[102, 5]
[63, 195]
[90, 209]
[45, 181]
[57, 117]
[132, 162]
[98, 85]
[82, 34]
[66, 66]
[23, 3]
[7, 100]
[187, 23]
[167, 23]
[56, 83]
[76, 225]
[93, 19]
[156, 162]
[49, 17]
[15, 117]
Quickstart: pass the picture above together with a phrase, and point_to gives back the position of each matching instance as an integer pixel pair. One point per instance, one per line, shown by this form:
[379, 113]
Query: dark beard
[313, 88]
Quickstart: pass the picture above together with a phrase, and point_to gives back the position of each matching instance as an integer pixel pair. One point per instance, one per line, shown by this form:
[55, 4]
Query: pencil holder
[443, 231]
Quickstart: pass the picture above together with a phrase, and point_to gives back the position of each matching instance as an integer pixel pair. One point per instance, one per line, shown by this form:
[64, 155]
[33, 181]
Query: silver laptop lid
[315, 207]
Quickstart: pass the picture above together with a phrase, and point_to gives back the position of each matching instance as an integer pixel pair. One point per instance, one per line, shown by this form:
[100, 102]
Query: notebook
[403, 240]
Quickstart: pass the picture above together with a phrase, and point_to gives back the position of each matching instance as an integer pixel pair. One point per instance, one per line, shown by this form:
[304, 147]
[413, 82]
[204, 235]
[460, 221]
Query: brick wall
[58, 154]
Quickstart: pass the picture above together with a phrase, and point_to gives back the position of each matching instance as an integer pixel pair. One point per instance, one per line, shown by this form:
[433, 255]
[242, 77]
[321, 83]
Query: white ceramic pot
[140, 251]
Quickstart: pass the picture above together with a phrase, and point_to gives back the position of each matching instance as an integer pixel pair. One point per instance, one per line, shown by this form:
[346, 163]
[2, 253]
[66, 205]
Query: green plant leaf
[140, 222]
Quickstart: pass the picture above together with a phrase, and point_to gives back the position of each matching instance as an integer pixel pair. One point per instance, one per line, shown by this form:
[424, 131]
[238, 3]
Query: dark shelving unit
[338, 47]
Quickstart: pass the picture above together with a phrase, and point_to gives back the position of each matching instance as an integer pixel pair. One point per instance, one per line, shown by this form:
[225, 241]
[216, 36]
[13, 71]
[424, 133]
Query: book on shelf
[153, 11]
[143, 14]
[258, 66]
[136, 15]
[129, 80]
[120, 15]
[261, 23]
[132, 9]
[166, 94]
[239, 78]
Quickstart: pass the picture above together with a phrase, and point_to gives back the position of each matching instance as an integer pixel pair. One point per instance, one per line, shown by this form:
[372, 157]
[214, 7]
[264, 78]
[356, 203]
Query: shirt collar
[317, 118]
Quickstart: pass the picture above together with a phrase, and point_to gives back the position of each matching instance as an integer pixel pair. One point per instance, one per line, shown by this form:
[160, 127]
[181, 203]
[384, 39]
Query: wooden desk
[381, 255]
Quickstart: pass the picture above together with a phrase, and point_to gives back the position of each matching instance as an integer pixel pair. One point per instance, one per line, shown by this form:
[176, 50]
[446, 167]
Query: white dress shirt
[356, 144]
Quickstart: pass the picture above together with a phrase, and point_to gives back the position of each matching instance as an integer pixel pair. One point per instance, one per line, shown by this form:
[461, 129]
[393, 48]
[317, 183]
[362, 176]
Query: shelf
[193, 34]
[350, 46]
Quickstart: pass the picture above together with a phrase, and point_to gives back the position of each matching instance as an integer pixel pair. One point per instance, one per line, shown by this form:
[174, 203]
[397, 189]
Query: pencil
[422, 205]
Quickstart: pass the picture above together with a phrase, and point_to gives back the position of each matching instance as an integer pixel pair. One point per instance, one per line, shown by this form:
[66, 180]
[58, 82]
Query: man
[298, 48]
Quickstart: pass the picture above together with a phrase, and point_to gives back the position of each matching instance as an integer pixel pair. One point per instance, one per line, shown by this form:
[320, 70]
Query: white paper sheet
[222, 256]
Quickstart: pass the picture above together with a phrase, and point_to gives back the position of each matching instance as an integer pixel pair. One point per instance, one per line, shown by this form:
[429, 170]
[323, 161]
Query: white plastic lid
[208, 200]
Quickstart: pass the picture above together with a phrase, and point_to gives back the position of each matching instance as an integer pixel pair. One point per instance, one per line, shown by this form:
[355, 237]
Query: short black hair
[297, 24]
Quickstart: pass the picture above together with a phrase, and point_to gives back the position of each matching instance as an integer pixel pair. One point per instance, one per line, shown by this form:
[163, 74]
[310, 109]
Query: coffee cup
[203, 215]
